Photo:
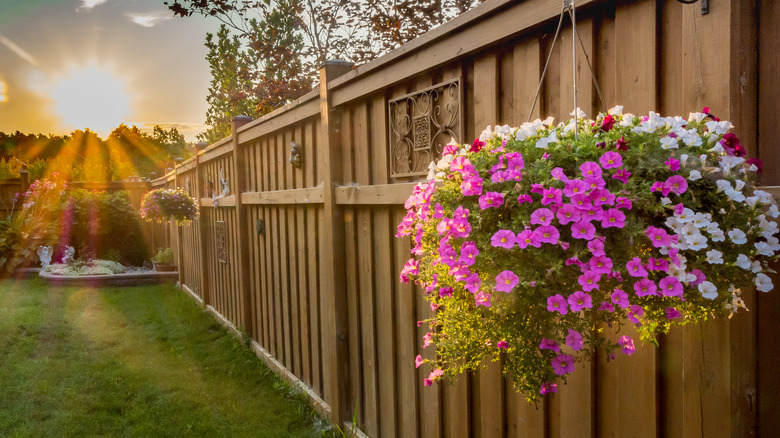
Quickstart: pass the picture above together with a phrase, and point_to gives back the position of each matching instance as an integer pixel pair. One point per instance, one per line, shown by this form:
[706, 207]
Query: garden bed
[137, 278]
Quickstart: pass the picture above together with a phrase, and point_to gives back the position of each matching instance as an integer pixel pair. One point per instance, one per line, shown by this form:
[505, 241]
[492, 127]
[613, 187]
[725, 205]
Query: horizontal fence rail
[295, 244]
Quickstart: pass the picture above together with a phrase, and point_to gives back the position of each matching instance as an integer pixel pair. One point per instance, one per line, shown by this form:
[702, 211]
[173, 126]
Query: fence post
[24, 181]
[239, 166]
[335, 348]
[205, 287]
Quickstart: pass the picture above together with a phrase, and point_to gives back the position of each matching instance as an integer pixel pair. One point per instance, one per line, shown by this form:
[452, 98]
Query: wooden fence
[304, 261]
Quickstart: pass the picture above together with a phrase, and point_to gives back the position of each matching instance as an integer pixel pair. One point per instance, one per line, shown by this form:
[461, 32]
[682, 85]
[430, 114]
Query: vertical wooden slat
[312, 231]
[490, 405]
[527, 71]
[292, 243]
[405, 340]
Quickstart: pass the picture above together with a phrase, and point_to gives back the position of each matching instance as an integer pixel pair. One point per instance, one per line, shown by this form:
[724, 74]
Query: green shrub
[164, 256]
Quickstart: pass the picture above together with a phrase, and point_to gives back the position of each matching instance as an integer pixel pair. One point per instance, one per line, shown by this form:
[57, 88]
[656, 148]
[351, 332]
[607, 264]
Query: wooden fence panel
[351, 336]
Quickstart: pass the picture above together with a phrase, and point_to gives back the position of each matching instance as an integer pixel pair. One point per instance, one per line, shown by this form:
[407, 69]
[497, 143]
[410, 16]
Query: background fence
[303, 259]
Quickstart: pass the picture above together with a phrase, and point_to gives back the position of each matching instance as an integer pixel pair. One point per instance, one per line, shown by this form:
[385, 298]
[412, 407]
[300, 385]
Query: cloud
[18, 50]
[148, 20]
[89, 4]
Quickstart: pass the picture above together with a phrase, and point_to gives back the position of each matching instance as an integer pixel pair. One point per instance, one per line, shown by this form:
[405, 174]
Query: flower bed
[528, 242]
[95, 273]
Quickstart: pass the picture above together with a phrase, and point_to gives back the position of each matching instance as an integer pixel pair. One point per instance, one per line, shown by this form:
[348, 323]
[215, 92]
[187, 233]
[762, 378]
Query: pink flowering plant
[162, 205]
[528, 243]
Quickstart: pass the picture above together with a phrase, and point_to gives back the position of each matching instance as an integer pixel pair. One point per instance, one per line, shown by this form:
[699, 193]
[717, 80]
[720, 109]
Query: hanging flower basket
[529, 242]
[162, 205]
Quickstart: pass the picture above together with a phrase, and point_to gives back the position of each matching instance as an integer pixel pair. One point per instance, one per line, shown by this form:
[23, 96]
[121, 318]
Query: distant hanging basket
[163, 205]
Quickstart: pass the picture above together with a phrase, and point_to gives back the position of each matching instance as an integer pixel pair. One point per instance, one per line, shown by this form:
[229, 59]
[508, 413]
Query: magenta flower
[514, 175]
[503, 239]
[622, 202]
[473, 283]
[438, 211]
[547, 234]
[589, 280]
[596, 247]
[406, 226]
[500, 166]
[679, 209]
[622, 175]
[670, 287]
[482, 299]
[502, 344]
[477, 145]
[613, 218]
[557, 303]
[672, 313]
[558, 174]
[548, 387]
[471, 186]
[563, 364]
[549, 344]
[645, 287]
[575, 187]
[444, 227]
[676, 184]
[700, 277]
[445, 292]
[427, 340]
[516, 162]
[658, 186]
[658, 237]
[552, 196]
[655, 264]
[634, 312]
[607, 123]
[418, 361]
[627, 344]
[635, 268]
[574, 340]
[528, 237]
[582, 202]
[583, 230]
[499, 176]
[537, 188]
[595, 183]
[468, 253]
[580, 300]
[590, 169]
[673, 164]
[506, 281]
[450, 149]
[463, 165]
[525, 198]
[542, 216]
[410, 268]
[491, 199]
[573, 261]
[602, 197]
[611, 160]
[568, 213]
[600, 264]
[607, 306]
[620, 298]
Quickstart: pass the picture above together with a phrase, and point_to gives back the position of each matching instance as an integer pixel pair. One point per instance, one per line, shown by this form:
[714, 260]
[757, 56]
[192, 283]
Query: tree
[293, 37]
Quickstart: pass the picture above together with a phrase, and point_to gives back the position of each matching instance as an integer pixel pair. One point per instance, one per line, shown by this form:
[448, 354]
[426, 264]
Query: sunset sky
[75, 64]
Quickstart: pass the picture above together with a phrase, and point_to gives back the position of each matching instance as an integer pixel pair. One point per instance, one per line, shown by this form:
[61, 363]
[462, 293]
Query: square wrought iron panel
[421, 123]
[221, 231]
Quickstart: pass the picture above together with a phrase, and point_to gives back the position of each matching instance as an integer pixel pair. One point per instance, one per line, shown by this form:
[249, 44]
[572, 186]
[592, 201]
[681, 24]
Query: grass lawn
[142, 361]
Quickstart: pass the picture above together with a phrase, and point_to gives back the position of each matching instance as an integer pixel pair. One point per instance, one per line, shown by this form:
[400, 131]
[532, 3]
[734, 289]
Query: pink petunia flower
[500, 176]
[418, 361]
[468, 253]
[673, 164]
[620, 298]
[670, 287]
[557, 303]
[547, 234]
[600, 264]
[558, 174]
[473, 283]
[627, 344]
[655, 264]
[589, 280]
[676, 184]
[528, 237]
[491, 199]
[583, 230]
[634, 312]
[575, 187]
[506, 281]
[463, 165]
[567, 213]
[602, 197]
[590, 169]
[635, 268]
[658, 237]
[548, 387]
[672, 313]
[525, 198]
[613, 218]
[542, 216]
[700, 277]
[503, 239]
[549, 344]
[471, 186]
[622, 175]
[445, 292]
[502, 344]
[596, 247]
[552, 196]
[624, 203]
[450, 149]
[410, 268]
[563, 364]
[574, 340]
[607, 306]
[582, 202]
[482, 299]
[580, 300]
[611, 160]
[645, 287]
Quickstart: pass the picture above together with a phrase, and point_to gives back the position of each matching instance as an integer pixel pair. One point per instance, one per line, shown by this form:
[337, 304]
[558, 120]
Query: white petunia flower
[669, 143]
[717, 149]
[734, 195]
[580, 113]
[700, 220]
[616, 110]
[768, 228]
[683, 160]
[708, 290]
[722, 185]
[628, 120]
[713, 226]
[691, 137]
[703, 159]
[743, 262]
[543, 143]
[739, 184]
[737, 236]
[714, 257]
[694, 175]
[773, 211]
[774, 243]
[719, 128]
[665, 201]
[751, 201]
[686, 216]
[763, 283]
[717, 235]
[696, 117]
[696, 242]
[764, 248]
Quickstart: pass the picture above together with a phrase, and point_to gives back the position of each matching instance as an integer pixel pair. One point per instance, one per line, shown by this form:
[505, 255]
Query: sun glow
[90, 97]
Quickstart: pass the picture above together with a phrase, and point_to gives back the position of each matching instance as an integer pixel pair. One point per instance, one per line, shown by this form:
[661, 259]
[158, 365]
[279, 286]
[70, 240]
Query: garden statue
[225, 187]
[67, 255]
[44, 254]
[295, 155]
